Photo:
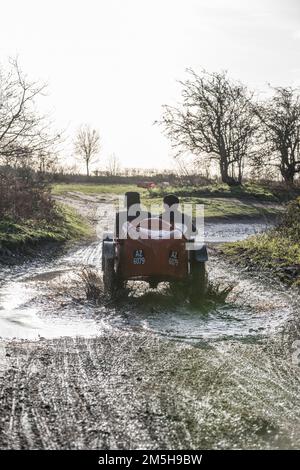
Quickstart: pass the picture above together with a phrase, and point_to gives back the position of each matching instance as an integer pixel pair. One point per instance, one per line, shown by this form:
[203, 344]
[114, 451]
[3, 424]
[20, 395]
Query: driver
[175, 217]
[133, 210]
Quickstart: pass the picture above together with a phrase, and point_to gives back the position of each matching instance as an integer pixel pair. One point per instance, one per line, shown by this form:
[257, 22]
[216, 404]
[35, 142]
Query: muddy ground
[147, 371]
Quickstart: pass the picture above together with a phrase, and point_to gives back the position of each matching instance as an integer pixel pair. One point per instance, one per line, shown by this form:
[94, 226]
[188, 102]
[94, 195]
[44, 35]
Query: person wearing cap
[175, 217]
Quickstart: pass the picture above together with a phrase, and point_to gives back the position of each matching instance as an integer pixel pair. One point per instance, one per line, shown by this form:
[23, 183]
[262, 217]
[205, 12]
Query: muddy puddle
[233, 231]
[39, 300]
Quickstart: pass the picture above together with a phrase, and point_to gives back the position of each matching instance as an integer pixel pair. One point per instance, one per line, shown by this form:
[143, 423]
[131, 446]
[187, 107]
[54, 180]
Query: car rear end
[161, 259]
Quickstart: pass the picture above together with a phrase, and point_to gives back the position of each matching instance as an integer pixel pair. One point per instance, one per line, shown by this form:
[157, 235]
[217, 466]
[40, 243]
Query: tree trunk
[288, 174]
[224, 173]
[287, 166]
[87, 168]
[240, 177]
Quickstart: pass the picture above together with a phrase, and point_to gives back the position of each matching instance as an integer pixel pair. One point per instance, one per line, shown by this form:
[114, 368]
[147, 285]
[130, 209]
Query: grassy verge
[277, 251]
[68, 225]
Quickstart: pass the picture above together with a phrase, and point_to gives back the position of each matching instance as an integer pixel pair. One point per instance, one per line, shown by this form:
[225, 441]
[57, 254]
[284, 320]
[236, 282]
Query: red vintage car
[155, 254]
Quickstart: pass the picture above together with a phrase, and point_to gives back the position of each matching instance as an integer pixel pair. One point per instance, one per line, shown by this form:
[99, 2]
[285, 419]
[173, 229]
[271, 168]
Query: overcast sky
[113, 63]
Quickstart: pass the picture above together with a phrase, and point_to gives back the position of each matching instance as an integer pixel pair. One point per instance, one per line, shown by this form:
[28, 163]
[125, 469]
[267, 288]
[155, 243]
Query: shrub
[92, 283]
[25, 197]
[290, 226]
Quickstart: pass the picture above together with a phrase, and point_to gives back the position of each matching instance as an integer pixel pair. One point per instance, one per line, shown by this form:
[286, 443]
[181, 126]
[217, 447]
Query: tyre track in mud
[78, 407]
[139, 391]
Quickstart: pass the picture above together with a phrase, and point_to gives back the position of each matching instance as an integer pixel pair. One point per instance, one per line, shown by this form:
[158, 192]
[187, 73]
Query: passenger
[132, 211]
[175, 217]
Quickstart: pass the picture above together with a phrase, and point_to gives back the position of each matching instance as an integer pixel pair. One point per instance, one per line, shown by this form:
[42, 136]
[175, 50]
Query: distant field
[261, 192]
[59, 189]
[247, 191]
[215, 207]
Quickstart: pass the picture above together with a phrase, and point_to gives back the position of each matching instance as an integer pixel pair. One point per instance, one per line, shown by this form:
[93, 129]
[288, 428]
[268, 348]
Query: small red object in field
[146, 184]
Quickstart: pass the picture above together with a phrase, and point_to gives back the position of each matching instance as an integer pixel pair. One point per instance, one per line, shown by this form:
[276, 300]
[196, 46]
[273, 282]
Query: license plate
[138, 257]
[173, 258]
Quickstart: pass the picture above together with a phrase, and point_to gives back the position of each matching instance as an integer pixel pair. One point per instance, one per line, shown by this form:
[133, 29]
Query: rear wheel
[109, 276]
[121, 284]
[198, 282]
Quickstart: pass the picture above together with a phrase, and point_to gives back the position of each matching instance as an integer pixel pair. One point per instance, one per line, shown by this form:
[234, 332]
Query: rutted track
[145, 372]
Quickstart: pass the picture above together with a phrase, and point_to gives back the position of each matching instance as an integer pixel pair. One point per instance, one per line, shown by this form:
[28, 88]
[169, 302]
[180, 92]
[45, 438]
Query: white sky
[113, 63]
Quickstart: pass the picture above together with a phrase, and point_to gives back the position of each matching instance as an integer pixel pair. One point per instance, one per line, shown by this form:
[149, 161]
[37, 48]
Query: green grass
[270, 252]
[277, 250]
[231, 209]
[67, 226]
[224, 208]
[253, 191]
[60, 189]
[268, 249]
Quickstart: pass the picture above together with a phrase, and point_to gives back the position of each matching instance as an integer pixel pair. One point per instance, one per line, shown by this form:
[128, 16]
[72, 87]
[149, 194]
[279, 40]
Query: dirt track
[138, 391]
[147, 377]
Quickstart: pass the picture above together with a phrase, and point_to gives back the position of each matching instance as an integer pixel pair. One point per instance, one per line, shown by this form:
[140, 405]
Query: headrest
[131, 198]
[170, 200]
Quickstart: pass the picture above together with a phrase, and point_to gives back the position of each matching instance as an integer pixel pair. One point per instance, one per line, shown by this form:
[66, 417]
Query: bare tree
[23, 132]
[188, 168]
[214, 121]
[87, 145]
[113, 165]
[280, 119]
